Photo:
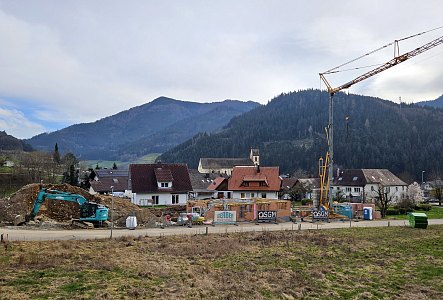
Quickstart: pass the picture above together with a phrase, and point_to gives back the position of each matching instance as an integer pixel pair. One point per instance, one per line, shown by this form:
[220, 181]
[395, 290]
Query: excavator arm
[56, 195]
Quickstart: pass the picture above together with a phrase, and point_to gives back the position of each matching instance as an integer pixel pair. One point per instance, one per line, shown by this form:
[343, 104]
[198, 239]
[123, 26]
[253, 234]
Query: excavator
[90, 213]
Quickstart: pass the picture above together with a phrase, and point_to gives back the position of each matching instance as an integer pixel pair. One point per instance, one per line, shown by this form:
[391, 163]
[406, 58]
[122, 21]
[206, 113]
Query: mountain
[290, 133]
[437, 103]
[8, 142]
[152, 127]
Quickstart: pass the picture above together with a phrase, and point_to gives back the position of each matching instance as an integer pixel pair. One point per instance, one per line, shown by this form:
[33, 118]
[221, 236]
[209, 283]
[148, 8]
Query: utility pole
[112, 209]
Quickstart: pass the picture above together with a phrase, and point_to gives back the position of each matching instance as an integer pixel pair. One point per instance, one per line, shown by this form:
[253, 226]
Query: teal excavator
[90, 213]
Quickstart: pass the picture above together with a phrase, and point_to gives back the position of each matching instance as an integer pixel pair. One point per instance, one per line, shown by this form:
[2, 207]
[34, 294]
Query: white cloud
[16, 124]
[81, 61]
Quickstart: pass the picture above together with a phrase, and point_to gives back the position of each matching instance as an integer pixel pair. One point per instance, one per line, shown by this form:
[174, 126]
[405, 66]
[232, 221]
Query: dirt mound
[22, 202]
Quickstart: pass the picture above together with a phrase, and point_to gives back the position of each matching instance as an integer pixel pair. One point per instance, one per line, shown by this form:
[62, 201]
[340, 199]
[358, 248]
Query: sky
[69, 62]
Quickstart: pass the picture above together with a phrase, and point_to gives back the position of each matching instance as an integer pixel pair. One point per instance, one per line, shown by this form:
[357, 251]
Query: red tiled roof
[250, 175]
[216, 183]
[163, 175]
[143, 178]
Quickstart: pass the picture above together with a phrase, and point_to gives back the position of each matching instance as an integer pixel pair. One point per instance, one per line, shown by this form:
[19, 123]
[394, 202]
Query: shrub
[425, 207]
[392, 212]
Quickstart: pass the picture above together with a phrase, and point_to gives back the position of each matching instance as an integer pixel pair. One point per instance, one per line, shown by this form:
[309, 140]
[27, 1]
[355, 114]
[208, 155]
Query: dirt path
[18, 234]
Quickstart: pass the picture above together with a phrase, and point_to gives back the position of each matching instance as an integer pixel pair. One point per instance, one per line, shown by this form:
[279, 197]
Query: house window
[357, 190]
[348, 189]
[396, 188]
[263, 195]
[245, 183]
[372, 188]
[155, 200]
[164, 184]
[403, 188]
[338, 188]
[262, 183]
[175, 199]
[242, 195]
[229, 195]
[252, 195]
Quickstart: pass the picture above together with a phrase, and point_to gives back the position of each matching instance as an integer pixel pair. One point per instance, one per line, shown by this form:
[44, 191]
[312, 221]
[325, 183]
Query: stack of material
[22, 202]
[418, 220]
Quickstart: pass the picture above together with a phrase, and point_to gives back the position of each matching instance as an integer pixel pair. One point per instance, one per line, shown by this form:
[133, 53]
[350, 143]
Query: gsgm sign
[320, 214]
[267, 216]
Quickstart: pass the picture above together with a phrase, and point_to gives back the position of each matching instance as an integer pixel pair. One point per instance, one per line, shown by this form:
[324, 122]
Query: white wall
[257, 194]
[164, 199]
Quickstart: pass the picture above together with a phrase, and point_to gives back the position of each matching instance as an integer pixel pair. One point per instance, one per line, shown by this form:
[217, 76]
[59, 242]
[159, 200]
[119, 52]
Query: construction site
[59, 214]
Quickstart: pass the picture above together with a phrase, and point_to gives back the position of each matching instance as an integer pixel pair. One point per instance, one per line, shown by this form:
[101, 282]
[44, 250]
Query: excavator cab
[91, 211]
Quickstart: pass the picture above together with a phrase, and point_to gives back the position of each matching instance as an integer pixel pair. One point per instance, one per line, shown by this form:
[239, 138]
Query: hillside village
[246, 187]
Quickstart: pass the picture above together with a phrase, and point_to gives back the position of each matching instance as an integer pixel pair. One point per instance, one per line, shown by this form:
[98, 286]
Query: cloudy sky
[68, 62]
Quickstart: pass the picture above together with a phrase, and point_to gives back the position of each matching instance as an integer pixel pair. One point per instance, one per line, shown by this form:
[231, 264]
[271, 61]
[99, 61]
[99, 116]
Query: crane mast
[327, 195]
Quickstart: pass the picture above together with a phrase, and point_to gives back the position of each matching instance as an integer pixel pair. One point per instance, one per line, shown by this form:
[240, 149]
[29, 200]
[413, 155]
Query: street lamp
[112, 209]
[422, 172]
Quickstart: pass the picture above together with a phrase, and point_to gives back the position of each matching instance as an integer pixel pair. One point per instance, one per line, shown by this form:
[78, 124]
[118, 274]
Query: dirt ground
[59, 213]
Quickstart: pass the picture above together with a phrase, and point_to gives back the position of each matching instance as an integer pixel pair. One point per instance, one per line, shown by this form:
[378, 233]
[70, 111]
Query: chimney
[258, 168]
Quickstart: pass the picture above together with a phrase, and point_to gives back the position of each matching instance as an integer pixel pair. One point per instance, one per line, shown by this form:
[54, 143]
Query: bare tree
[437, 191]
[383, 200]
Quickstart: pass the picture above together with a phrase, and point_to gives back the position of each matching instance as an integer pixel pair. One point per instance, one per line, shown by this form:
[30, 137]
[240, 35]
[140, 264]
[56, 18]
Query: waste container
[131, 222]
[367, 213]
[418, 220]
[345, 210]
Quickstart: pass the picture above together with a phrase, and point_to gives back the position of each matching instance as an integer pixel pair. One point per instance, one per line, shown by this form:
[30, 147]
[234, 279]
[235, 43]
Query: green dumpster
[418, 220]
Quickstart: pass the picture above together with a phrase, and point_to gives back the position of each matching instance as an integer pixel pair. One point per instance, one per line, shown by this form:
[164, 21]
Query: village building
[200, 184]
[255, 182]
[302, 188]
[159, 184]
[109, 180]
[226, 165]
[362, 185]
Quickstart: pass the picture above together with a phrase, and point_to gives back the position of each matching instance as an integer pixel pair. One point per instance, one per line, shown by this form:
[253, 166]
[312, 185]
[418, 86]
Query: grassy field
[434, 213]
[147, 159]
[357, 263]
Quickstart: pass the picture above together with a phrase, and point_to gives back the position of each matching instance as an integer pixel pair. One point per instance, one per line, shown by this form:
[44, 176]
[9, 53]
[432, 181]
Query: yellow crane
[327, 165]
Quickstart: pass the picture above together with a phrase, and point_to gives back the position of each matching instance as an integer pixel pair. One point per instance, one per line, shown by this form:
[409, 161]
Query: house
[219, 188]
[254, 182]
[362, 185]
[287, 185]
[8, 163]
[159, 184]
[200, 183]
[109, 180]
[226, 165]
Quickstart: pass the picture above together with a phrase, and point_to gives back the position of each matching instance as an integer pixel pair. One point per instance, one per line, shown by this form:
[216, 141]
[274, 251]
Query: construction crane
[326, 183]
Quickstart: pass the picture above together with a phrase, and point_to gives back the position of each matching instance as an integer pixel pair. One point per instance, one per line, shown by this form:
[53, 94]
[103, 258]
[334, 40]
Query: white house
[362, 185]
[226, 165]
[159, 184]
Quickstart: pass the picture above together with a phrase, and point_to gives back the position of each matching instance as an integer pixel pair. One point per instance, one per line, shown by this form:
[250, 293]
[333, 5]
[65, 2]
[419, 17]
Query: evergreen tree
[114, 166]
[56, 155]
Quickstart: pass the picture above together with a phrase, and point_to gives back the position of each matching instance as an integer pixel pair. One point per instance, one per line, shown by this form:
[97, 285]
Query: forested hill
[152, 127]
[290, 133]
[10, 143]
[437, 103]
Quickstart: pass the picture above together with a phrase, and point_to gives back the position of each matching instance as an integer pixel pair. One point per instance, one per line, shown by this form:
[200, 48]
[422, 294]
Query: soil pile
[22, 202]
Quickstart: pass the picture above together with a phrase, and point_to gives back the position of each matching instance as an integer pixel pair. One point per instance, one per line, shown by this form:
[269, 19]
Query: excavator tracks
[82, 224]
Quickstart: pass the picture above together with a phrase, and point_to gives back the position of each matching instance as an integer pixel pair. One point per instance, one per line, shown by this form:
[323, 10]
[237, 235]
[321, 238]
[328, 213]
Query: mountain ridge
[109, 137]
[290, 133]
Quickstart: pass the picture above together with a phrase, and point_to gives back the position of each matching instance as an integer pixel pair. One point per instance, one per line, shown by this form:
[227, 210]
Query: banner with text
[266, 216]
[225, 217]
